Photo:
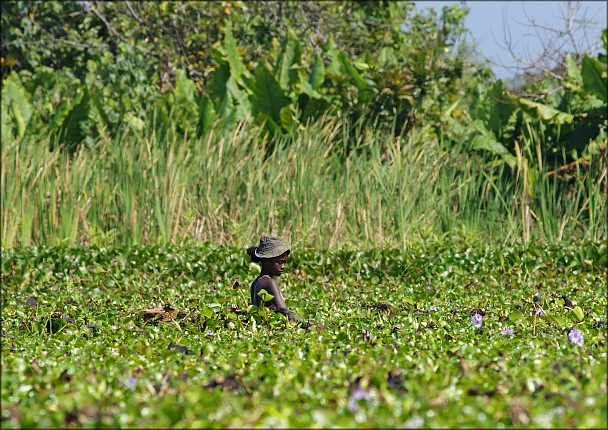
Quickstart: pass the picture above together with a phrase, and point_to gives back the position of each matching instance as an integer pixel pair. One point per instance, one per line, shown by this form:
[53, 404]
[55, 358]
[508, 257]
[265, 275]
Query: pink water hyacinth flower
[432, 308]
[575, 337]
[477, 320]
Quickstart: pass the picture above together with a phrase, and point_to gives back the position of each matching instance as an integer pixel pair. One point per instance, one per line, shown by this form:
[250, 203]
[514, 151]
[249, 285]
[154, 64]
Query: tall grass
[385, 191]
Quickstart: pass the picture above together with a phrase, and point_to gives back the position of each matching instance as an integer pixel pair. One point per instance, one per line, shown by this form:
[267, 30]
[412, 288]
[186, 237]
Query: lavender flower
[131, 382]
[366, 335]
[540, 312]
[358, 394]
[432, 309]
[575, 337]
[414, 422]
[476, 320]
[507, 331]
[429, 288]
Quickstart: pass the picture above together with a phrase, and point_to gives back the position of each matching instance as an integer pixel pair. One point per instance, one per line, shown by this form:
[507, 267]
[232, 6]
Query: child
[272, 253]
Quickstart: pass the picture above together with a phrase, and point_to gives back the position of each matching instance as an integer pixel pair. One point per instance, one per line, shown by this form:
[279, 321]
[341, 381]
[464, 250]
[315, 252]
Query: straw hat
[271, 247]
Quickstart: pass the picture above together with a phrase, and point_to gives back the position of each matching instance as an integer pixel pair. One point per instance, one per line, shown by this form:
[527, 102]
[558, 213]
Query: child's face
[276, 266]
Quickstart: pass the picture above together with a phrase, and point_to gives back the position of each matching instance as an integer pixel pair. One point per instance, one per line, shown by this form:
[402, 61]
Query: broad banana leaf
[544, 112]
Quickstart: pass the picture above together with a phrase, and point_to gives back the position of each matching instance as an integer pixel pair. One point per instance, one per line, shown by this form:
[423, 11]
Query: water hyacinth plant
[575, 337]
[476, 320]
[508, 331]
[357, 395]
[221, 363]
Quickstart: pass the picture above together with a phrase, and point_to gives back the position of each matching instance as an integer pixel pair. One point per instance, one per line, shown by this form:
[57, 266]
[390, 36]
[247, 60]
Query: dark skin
[274, 267]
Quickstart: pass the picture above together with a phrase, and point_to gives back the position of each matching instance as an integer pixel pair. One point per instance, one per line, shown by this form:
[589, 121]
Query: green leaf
[136, 123]
[217, 87]
[545, 112]
[594, 78]
[237, 68]
[335, 66]
[65, 108]
[265, 295]
[207, 115]
[243, 105]
[306, 88]
[290, 55]
[317, 74]
[74, 128]
[578, 312]
[494, 108]
[227, 113]
[574, 72]
[516, 315]
[267, 96]
[350, 70]
[486, 141]
[559, 321]
[17, 111]
[186, 104]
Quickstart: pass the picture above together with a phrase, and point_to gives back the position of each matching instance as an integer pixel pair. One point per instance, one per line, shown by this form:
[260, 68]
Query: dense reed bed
[322, 186]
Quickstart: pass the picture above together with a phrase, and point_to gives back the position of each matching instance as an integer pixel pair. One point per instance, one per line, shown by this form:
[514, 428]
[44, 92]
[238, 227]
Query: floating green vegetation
[441, 335]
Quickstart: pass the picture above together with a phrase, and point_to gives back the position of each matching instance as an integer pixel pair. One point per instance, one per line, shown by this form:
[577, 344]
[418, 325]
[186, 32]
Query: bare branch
[96, 9]
[555, 43]
[58, 41]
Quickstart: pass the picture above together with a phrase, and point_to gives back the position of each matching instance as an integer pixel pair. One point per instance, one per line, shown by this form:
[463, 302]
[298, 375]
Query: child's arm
[272, 287]
[277, 303]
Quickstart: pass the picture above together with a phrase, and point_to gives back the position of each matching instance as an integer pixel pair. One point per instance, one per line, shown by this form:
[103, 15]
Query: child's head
[272, 252]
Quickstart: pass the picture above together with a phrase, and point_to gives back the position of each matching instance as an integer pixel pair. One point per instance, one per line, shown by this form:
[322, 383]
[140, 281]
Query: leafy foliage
[398, 347]
[129, 55]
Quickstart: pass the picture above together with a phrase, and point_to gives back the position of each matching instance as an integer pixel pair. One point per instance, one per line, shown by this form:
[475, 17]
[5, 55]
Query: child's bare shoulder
[265, 281]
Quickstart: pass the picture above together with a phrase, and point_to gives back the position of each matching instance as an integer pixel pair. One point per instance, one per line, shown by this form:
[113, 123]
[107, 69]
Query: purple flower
[476, 320]
[209, 333]
[575, 337]
[540, 312]
[358, 394]
[429, 288]
[432, 309]
[131, 382]
[507, 331]
[414, 422]
[366, 335]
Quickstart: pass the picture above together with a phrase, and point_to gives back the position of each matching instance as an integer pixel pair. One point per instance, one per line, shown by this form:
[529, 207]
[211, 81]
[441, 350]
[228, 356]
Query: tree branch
[94, 8]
